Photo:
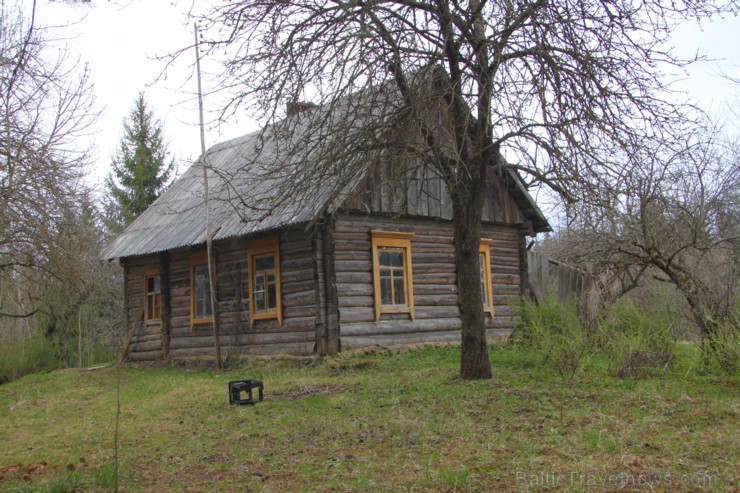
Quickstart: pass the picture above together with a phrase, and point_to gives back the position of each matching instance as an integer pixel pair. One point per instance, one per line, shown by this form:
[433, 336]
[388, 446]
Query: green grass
[379, 421]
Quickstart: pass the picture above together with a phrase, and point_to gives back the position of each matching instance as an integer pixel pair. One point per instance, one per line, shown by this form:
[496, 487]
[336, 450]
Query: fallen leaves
[26, 472]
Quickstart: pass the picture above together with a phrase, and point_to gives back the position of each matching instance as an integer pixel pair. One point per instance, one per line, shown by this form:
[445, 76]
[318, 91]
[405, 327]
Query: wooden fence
[548, 276]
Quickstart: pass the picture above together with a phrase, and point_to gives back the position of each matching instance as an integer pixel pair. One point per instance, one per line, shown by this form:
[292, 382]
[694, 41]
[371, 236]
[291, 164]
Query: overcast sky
[120, 39]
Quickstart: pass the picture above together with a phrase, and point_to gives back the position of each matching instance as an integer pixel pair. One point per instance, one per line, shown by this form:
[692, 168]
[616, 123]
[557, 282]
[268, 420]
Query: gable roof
[241, 168]
[178, 217]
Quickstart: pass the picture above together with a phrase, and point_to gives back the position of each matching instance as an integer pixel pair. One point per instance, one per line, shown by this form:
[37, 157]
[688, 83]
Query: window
[153, 297]
[486, 289]
[201, 311]
[392, 281]
[264, 279]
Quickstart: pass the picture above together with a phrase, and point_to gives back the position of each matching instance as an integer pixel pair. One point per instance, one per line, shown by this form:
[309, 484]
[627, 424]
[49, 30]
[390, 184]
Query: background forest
[60, 304]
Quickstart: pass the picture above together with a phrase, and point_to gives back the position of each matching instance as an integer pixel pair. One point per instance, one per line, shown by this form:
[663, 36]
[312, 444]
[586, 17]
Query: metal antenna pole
[209, 239]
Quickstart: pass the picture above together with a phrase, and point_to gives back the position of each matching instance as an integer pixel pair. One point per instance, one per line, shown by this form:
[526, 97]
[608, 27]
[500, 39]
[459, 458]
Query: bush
[22, 353]
[555, 331]
[26, 350]
[637, 343]
[721, 351]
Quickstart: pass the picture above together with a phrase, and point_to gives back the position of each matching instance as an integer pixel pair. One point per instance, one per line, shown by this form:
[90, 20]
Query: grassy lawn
[380, 421]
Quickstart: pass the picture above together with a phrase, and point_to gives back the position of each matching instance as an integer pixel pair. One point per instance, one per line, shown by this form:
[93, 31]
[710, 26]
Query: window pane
[264, 263]
[264, 278]
[398, 288]
[386, 293]
[259, 293]
[156, 306]
[481, 260]
[384, 257]
[392, 282]
[202, 292]
[149, 308]
[152, 284]
[396, 259]
[271, 296]
[392, 276]
[390, 257]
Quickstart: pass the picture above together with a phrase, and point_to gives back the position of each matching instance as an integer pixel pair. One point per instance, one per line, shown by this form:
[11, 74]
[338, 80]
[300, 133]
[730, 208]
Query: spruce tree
[140, 170]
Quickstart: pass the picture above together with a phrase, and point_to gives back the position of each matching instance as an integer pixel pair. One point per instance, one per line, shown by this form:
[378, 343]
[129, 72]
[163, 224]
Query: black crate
[236, 388]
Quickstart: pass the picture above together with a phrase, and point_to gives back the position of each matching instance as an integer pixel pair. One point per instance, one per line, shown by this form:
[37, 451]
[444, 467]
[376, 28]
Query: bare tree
[558, 87]
[79, 293]
[676, 219]
[44, 105]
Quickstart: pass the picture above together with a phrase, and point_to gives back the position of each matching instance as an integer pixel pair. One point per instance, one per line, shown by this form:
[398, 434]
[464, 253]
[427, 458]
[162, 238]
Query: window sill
[392, 310]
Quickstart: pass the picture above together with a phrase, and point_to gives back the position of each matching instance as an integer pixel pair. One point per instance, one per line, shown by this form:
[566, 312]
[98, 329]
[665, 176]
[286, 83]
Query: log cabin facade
[362, 263]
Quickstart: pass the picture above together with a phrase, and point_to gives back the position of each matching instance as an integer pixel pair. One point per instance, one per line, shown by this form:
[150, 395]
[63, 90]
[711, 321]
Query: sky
[120, 40]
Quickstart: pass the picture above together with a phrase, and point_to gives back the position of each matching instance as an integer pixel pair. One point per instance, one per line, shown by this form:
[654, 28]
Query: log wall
[327, 292]
[434, 281]
[297, 333]
[146, 343]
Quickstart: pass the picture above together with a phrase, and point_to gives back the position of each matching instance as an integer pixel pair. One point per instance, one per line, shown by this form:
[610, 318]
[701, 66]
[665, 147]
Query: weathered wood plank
[364, 256]
[356, 314]
[243, 339]
[353, 245]
[434, 277]
[301, 348]
[436, 312]
[432, 289]
[302, 298]
[288, 288]
[432, 268]
[351, 289]
[398, 327]
[350, 301]
[427, 258]
[435, 299]
[145, 355]
[394, 339]
[146, 337]
[299, 311]
[144, 346]
[355, 277]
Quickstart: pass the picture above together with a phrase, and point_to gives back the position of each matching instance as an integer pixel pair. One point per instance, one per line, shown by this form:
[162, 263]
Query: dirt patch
[313, 390]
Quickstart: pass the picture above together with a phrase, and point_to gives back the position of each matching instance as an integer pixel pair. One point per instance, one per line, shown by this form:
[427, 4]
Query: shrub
[555, 331]
[24, 353]
[721, 351]
[638, 343]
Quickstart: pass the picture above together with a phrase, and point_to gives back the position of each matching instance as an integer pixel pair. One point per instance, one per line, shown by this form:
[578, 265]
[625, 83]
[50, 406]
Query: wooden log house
[360, 265]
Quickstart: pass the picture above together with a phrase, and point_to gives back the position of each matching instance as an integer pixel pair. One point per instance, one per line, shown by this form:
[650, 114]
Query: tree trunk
[467, 212]
[696, 295]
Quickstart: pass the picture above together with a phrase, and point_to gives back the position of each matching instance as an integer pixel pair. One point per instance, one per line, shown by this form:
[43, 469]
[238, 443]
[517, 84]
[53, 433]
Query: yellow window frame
[256, 249]
[392, 240]
[485, 256]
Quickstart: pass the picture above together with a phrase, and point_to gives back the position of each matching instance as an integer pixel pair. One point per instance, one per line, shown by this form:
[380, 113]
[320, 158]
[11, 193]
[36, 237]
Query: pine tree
[140, 170]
